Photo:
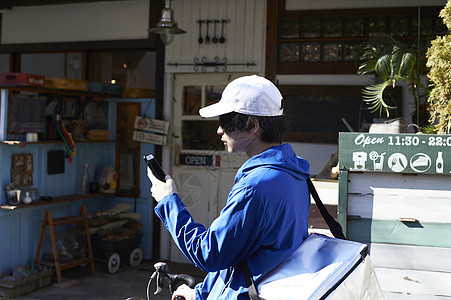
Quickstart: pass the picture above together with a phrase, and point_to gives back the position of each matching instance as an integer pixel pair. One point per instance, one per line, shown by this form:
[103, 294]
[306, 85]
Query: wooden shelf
[43, 90]
[43, 142]
[60, 199]
[67, 265]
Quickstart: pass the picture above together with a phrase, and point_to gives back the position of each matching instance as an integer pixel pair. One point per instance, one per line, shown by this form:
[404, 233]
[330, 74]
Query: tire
[136, 256]
[114, 261]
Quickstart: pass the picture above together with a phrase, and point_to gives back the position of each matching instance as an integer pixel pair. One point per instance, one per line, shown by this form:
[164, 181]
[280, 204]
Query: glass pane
[201, 135]
[4, 62]
[65, 65]
[399, 26]
[135, 71]
[192, 96]
[440, 28]
[213, 94]
[310, 52]
[310, 27]
[332, 27]
[289, 52]
[425, 26]
[331, 52]
[289, 29]
[376, 25]
[349, 51]
[353, 27]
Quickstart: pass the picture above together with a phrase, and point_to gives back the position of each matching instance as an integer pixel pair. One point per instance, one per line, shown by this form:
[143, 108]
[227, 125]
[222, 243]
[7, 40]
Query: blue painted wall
[20, 228]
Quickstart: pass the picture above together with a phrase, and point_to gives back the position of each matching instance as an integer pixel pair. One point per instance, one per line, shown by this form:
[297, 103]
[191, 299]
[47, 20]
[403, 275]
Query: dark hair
[272, 128]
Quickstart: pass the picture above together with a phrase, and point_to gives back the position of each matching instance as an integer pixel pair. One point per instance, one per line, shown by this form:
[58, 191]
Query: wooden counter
[395, 195]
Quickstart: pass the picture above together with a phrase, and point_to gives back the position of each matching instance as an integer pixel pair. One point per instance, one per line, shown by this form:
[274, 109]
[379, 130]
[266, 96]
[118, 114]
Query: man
[266, 215]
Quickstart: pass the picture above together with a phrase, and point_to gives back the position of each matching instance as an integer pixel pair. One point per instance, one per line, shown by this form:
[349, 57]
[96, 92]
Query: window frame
[276, 12]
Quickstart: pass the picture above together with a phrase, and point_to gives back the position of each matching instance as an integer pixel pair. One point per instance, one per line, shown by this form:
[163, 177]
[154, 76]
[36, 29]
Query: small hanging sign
[158, 126]
[196, 160]
[148, 137]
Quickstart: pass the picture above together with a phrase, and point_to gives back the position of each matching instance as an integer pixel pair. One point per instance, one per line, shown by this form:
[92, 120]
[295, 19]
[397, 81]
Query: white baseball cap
[250, 95]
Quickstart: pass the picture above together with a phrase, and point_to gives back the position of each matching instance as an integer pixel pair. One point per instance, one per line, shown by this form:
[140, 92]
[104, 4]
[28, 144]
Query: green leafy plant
[439, 61]
[391, 61]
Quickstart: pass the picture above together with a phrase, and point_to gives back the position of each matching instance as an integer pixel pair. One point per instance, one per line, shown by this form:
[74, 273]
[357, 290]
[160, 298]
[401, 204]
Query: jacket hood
[280, 157]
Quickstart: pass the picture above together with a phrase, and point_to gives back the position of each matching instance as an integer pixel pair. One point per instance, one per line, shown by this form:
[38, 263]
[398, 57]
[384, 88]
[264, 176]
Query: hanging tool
[215, 38]
[200, 40]
[222, 38]
[207, 37]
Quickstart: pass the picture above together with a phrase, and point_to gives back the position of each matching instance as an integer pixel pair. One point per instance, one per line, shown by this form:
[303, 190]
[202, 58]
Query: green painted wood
[395, 153]
[343, 200]
[397, 232]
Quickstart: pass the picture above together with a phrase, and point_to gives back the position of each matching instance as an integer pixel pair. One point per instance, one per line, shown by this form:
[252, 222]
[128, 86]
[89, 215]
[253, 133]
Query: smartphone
[154, 166]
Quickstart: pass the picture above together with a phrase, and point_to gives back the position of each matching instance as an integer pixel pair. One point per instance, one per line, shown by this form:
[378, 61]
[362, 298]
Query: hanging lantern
[166, 28]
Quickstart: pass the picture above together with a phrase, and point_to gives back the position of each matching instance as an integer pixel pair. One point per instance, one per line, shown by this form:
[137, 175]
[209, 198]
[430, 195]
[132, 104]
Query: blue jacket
[264, 221]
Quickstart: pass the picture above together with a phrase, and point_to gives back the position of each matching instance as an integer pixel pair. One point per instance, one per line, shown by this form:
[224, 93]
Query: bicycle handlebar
[165, 276]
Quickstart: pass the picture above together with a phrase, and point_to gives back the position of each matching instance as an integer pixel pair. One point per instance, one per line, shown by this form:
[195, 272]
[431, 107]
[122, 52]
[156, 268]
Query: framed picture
[27, 178]
[16, 176]
[22, 170]
[28, 162]
[18, 161]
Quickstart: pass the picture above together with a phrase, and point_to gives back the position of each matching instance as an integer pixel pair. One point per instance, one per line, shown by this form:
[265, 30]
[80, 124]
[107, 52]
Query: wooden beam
[148, 44]
[271, 31]
[13, 3]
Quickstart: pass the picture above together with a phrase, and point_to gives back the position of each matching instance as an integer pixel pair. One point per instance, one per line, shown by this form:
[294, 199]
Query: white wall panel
[115, 20]
[245, 34]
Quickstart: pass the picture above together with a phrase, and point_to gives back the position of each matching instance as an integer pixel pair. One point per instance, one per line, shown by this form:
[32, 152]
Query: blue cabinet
[20, 226]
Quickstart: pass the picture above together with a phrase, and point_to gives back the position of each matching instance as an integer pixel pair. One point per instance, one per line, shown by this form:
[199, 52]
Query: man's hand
[184, 291]
[161, 189]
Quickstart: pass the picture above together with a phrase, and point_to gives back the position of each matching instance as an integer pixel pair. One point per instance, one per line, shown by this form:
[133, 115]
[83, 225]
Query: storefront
[244, 37]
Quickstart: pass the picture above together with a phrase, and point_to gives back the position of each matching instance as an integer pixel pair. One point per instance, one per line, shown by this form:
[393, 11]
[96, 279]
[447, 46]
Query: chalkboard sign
[96, 115]
[317, 113]
[27, 114]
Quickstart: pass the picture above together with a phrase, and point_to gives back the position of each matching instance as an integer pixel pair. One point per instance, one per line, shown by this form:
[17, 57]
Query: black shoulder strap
[251, 289]
[334, 226]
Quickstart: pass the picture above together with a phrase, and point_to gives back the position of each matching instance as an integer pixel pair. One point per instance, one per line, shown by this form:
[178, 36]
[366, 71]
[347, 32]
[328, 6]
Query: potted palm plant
[391, 61]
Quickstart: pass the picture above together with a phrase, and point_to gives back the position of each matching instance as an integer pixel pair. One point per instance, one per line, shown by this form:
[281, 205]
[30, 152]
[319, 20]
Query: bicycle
[165, 277]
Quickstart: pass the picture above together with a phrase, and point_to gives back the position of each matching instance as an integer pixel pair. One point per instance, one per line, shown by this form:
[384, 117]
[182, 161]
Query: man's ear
[255, 127]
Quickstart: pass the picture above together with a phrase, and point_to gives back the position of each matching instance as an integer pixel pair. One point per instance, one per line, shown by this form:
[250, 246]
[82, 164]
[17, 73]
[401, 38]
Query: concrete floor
[79, 284]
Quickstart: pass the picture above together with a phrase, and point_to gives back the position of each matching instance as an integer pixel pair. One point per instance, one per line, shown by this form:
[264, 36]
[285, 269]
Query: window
[327, 42]
[61, 64]
[316, 113]
[197, 133]
[4, 63]
[133, 70]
